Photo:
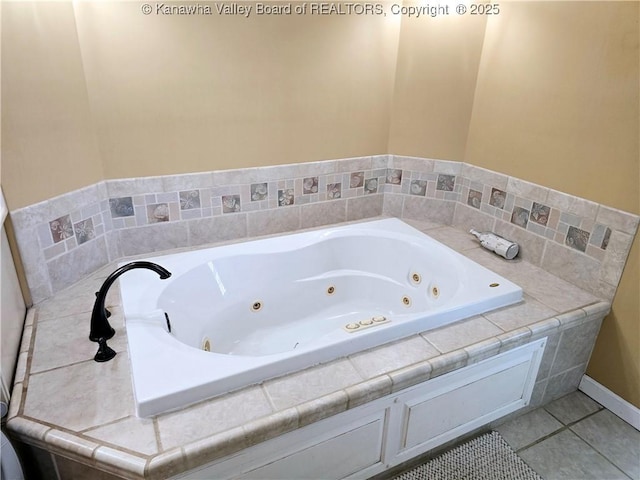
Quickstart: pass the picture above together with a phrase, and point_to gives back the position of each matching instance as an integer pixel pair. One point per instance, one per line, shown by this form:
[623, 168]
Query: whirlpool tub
[239, 314]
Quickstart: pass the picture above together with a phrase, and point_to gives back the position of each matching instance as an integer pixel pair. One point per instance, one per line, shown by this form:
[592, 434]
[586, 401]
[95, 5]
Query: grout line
[561, 429]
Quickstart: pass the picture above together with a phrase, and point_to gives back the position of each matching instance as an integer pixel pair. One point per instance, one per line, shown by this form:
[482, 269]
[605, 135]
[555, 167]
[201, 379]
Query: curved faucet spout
[101, 331]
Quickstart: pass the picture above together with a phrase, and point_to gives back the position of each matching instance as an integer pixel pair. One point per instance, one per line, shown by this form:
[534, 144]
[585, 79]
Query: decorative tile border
[186, 210]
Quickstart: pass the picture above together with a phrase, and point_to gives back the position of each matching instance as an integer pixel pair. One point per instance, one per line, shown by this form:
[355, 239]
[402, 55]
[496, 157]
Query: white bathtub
[268, 307]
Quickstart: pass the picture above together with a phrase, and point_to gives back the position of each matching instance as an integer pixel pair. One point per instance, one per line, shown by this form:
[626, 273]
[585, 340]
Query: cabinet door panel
[457, 407]
[336, 457]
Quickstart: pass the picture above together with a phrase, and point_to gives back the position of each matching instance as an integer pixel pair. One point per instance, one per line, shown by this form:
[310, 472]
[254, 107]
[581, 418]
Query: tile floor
[575, 438]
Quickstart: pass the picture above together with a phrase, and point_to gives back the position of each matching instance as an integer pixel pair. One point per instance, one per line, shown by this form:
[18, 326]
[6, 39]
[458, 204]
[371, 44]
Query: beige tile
[322, 407]
[454, 238]
[153, 238]
[204, 231]
[571, 318]
[430, 209]
[211, 417]
[266, 428]
[523, 314]
[482, 175]
[532, 246]
[211, 448]
[140, 434]
[367, 206]
[368, 391]
[482, 350]
[600, 429]
[71, 470]
[575, 346]
[411, 163]
[465, 218]
[99, 393]
[529, 428]
[392, 204]
[546, 288]
[448, 362]
[167, 464]
[615, 257]
[617, 219]
[549, 459]
[323, 213]
[70, 443]
[121, 463]
[572, 407]
[66, 341]
[514, 338]
[26, 428]
[393, 356]
[312, 383]
[422, 225]
[463, 333]
[409, 376]
[279, 220]
[572, 266]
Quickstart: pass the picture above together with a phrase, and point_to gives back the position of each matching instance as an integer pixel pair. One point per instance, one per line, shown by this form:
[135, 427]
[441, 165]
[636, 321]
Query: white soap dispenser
[497, 244]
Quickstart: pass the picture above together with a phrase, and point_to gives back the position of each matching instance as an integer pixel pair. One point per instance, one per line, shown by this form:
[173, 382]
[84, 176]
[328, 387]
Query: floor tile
[613, 438]
[529, 428]
[565, 456]
[572, 407]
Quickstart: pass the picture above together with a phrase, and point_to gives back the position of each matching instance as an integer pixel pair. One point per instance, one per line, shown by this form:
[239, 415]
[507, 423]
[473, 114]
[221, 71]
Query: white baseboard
[616, 404]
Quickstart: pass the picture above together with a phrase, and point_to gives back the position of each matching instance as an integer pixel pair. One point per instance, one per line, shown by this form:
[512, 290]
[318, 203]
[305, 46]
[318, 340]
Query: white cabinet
[369, 439]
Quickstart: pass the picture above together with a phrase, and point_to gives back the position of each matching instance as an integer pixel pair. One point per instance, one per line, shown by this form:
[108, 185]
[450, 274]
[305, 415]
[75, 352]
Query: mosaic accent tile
[474, 199]
[600, 236]
[230, 203]
[61, 228]
[605, 240]
[394, 176]
[371, 185]
[540, 214]
[356, 180]
[158, 212]
[286, 197]
[259, 191]
[446, 183]
[577, 238]
[84, 231]
[121, 207]
[334, 191]
[498, 198]
[559, 218]
[309, 185]
[418, 187]
[189, 199]
[520, 217]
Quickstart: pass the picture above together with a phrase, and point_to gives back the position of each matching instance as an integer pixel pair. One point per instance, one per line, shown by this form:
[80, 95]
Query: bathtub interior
[202, 330]
[262, 303]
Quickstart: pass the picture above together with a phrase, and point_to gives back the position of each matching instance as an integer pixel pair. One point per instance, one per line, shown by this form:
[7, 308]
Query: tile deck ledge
[180, 441]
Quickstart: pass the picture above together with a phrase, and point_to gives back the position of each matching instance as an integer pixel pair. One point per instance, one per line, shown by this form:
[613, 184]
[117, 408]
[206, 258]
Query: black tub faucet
[101, 331]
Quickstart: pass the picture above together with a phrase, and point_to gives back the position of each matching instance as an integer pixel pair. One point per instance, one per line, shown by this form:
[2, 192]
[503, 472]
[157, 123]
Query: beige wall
[438, 60]
[544, 91]
[49, 146]
[97, 89]
[557, 103]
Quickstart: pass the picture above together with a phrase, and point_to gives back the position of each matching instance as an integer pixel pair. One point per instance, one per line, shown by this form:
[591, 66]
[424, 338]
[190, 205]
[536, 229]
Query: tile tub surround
[64, 239]
[82, 412]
